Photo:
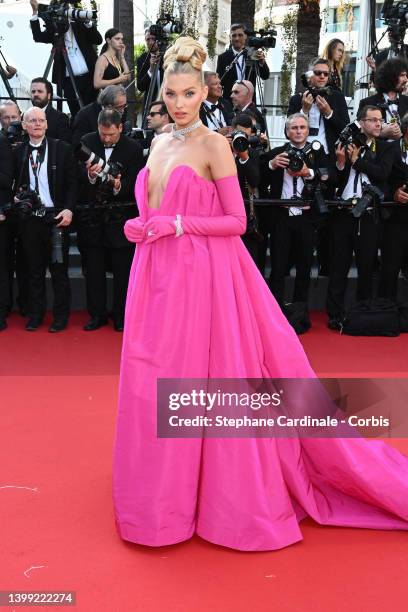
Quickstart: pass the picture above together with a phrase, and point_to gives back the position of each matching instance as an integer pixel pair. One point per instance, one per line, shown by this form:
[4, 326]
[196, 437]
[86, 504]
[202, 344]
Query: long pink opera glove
[134, 230]
[232, 223]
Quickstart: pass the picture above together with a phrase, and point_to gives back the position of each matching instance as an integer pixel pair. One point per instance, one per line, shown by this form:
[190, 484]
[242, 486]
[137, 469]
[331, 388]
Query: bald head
[35, 123]
[242, 94]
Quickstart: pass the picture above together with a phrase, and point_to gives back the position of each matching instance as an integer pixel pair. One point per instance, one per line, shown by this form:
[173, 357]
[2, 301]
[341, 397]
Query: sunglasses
[321, 73]
[154, 113]
[241, 83]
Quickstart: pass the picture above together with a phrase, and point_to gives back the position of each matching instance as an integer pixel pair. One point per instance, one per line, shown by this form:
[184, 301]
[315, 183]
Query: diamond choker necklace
[181, 134]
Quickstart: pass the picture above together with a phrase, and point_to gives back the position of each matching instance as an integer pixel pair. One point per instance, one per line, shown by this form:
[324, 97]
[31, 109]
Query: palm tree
[243, 11]
[123, 21]
[308, 34]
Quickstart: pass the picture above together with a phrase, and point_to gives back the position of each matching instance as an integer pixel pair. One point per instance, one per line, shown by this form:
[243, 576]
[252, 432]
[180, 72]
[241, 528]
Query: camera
[239, 141]
[59, 14]
[84, 154]
[165, 26]
[314, 91]
[352, 134]
[28, 204]
[298, 157]
[15, 133]
[262, 39]
[371, 196]
[315, 189]
[395, 14]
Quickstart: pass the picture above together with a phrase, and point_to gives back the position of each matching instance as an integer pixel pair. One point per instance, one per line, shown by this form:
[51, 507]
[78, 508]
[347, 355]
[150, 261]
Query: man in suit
[216, 112]
[327, 115]
[390, 81]
[57, 122]
[157, 117]
[146, 63]
[293, 228]
[9, 112]
[109, 204]
[46, 167]
[242, 69]
[357, 166]
[86, 121]
[242, 96]
[394, 247]
[6, 181]
[78, 41]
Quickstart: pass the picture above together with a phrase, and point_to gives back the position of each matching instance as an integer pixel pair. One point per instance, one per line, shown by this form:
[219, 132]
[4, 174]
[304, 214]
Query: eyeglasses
[154, 113]
[321, 73]
[374, 120]
[40, 121]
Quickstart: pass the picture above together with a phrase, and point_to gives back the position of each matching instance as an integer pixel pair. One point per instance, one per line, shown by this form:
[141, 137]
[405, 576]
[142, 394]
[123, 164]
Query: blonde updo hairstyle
[186, 56]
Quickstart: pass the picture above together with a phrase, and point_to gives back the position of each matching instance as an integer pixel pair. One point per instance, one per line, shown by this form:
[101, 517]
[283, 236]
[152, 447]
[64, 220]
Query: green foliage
[212, 27]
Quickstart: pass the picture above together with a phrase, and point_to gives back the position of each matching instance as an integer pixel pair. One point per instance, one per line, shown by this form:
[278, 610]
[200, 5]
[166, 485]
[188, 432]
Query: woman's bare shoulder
[221, 160]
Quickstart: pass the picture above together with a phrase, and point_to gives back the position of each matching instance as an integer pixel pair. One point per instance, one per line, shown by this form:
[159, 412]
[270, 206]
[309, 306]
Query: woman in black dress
[335, 54]
[111, 67]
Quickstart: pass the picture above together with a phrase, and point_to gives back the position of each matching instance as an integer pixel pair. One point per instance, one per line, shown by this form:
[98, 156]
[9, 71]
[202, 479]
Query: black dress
[111, 72]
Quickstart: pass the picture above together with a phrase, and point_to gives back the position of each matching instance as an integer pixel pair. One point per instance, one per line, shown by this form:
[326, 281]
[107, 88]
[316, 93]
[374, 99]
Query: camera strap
[36, 166]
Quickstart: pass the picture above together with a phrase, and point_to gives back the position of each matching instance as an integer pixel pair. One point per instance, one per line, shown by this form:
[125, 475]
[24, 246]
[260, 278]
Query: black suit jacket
[272, 180]
[260, 120]
[379, 100]
[225, 60]
[226, 110]
[248, 173]
[382, 56]
[129, 153]
[377, 165]
[58, 124]
[6, 170]
[85, 121]
[85, 37]
[334, 125]
[143, 79]
[65, 193]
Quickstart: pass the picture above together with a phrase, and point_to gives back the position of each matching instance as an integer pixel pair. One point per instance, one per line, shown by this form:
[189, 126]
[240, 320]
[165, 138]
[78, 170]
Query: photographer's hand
[340, 157]
[401, 195]
[353, 152]
[260, 56]
[307, 101]
[93, 170]
[115, 182]
[323, 106]
[65, 216]
[305, 172]
[280, 161]
[391, 130]
[34, 6]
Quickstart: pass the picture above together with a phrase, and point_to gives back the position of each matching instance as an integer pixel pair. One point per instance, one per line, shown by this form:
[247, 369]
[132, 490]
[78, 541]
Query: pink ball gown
[197, 307]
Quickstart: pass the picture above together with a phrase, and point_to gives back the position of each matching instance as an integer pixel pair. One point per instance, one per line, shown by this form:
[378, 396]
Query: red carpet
[58, 395]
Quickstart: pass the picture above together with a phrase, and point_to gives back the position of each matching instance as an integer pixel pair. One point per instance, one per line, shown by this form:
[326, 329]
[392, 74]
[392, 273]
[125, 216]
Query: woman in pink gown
[197, 307]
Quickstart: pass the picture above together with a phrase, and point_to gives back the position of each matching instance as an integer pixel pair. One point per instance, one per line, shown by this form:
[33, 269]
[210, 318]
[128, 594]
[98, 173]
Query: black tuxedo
[260, 120]
[226, 110]
[143, 78]
[102, 228]
[379, 100]
[6, 181]
[58, 124]
[86, 121]
[382, 56]
[349, 234]
[334, 125]
[37, 236]
[87, 39]
[225, 60]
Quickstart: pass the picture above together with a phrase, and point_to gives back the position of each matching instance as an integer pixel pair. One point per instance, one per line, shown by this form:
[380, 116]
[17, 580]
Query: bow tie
[214, 107]
[391, 102]
[40, 149]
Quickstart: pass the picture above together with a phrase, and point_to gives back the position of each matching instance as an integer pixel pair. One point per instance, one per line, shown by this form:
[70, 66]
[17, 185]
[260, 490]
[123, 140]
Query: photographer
[9, 113]
[390, 81]
[359, 166]
[6, 181]
[57, 122]
[78, 40]
[241, 96]
[216, 112]
[247, 163]
[293, 226]
[45, 195]
[109, 203]
[242, 69]
[394, 249]
[86, 121]
[327, 112]
[146, 64]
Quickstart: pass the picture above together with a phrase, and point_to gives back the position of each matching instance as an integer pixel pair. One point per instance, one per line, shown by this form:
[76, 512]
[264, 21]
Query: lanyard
[216, 121]
[36, 167]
